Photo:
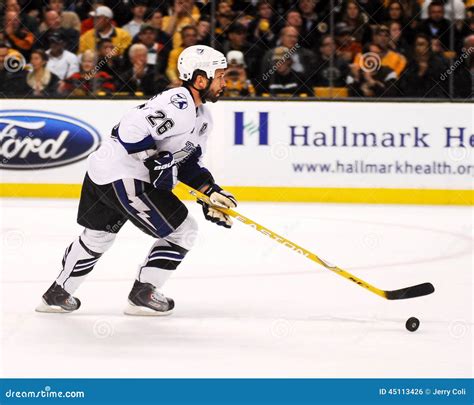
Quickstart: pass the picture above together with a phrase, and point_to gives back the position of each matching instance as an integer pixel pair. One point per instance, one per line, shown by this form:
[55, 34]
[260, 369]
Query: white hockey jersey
[168, 122]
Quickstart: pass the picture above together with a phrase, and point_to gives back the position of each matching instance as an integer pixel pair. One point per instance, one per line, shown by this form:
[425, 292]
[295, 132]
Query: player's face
[217, 86]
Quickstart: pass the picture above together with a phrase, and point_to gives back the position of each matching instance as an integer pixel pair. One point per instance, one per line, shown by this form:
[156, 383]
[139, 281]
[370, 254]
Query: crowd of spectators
[290, 48]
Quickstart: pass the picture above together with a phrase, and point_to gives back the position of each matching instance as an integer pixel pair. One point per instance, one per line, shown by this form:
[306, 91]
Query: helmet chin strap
[202, 93]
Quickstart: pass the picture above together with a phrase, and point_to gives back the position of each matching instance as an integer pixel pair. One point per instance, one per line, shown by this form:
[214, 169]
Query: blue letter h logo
[262, 128]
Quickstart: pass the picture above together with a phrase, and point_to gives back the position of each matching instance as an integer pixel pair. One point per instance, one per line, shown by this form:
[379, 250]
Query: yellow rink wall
[277, 194]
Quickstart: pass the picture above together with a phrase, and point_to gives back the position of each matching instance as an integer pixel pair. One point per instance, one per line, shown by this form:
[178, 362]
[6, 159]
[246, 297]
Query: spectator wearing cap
[15, 35]
[138, 12]
[89, 81]
[87, 23]
[265, 28]
[41, 81]
[104, 29]
[237, 82]
[388, 58]
[52, 25]
[183, 13]
[61, 62]
[237, 41]
[422, 76]
[303, 59]
[436, 25]
[329, 72]
[12, 81]
[281, 79]
[347, 45]
[189, 38]
[356, 22]
[140, 77]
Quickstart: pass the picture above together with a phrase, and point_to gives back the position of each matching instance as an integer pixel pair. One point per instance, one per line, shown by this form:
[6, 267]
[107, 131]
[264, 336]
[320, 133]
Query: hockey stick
[403, 293]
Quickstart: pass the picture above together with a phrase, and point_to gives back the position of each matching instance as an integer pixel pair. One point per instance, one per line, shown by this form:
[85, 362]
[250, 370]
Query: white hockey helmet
[200, 57]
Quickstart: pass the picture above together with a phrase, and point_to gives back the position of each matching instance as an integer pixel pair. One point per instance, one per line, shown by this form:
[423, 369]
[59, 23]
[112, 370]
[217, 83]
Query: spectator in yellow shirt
[184, 13]
[189, 37]
[104, 29]
[388, 58]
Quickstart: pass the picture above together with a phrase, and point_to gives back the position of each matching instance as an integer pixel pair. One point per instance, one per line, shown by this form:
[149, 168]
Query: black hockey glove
[221, 198]
[163, 171]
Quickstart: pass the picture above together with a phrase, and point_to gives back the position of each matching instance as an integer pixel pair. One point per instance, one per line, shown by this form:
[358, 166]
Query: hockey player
[131, 177]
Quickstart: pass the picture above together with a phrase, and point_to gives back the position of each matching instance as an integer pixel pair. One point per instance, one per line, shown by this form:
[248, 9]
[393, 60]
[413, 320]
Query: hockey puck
[412, 324]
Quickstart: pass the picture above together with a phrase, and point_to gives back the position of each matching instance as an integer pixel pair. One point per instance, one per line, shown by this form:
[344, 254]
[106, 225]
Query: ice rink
[245, 305]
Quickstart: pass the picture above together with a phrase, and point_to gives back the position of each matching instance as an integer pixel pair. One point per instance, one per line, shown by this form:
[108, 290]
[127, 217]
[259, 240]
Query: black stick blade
[410, 292]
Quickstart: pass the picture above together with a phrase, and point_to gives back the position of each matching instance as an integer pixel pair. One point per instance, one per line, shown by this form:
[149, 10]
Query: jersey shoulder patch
[179, 100]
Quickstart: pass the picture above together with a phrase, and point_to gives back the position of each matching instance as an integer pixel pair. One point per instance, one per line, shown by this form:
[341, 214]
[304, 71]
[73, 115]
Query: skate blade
[135, 310]
[51, 309]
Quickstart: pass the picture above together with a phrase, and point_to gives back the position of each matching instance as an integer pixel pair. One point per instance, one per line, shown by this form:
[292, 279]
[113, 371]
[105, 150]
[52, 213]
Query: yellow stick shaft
[280, 239]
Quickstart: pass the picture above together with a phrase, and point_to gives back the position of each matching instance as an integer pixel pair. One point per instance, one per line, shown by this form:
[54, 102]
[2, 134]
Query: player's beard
[212, 97]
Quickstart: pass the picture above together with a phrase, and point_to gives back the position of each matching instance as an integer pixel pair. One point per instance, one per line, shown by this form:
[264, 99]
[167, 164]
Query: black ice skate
[146, 300]
[58, 300]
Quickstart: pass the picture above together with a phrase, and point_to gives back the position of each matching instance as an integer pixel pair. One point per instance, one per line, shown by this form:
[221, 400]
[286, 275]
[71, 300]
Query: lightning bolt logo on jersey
[166, 122]
[179, 101]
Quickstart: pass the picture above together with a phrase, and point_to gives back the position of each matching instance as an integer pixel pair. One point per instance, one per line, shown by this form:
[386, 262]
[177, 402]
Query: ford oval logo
[41, 140]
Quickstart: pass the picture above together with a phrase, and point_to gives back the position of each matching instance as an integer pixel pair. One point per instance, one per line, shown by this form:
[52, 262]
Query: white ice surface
[245, 305]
